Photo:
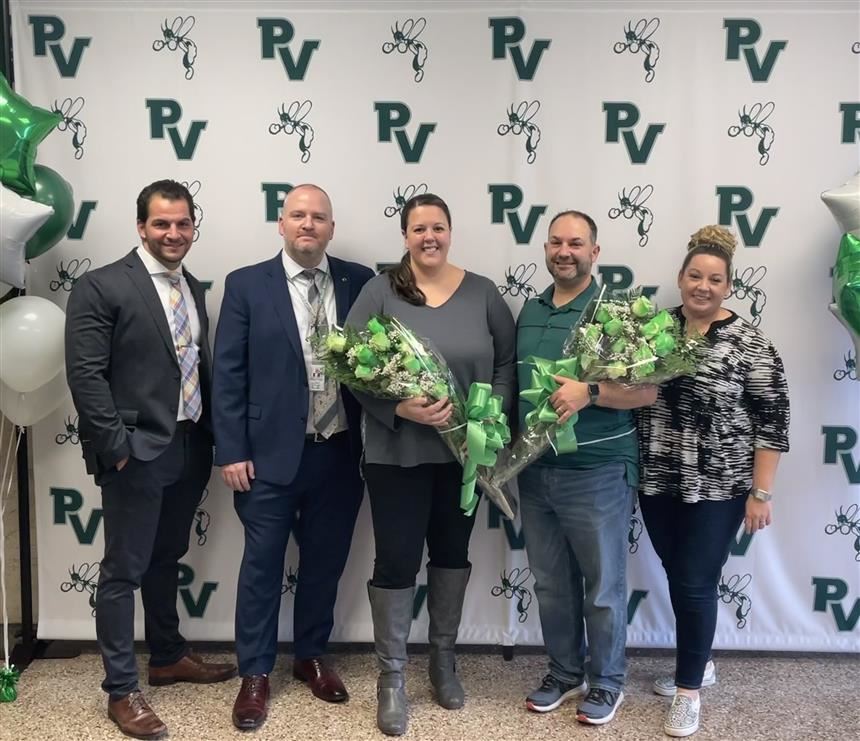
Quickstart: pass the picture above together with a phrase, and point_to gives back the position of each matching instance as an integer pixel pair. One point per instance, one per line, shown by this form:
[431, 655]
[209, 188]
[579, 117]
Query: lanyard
[313, 315]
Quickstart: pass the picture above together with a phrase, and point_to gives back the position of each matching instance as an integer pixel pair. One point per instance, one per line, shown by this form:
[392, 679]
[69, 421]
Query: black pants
[149, 508]
[692, 541]
[409, 505]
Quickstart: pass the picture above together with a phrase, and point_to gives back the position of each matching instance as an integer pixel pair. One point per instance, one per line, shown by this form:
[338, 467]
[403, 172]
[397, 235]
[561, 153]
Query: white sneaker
[666, 685]
[683, 717]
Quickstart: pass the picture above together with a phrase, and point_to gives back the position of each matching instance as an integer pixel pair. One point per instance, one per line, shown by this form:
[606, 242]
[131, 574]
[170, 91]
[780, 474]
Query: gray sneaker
[552, 693]
[683, 717]
[666, 685]
[599, 706]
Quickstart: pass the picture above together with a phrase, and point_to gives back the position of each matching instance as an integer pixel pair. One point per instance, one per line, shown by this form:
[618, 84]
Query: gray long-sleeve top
[475, 333]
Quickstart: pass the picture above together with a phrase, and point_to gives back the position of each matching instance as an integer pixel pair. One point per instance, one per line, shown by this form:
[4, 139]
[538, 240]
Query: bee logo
[193, 188]
[517, 281]
[83, 578]
[291, 581]
[512, 587]
[635, 532]
[631, 205]
[401, 196]
[745, 286]
[847, 523]
[732, 593]
[292, 120]
[202, 520]
[405, 41]
[69, 110]
[520, 123]
[71, 433]
[175, 37]
[752, 123]
[638, 38]
[68, 275]
[850, 371]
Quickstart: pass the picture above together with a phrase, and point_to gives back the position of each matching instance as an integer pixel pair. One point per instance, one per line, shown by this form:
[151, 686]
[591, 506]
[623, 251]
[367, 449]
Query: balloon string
[6, 488]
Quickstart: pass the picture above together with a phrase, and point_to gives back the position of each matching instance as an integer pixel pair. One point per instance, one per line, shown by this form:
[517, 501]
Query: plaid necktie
[325, 412]
[185, 351]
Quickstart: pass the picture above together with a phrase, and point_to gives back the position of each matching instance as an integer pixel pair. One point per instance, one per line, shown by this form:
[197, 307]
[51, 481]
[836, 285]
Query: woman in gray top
[412, 478]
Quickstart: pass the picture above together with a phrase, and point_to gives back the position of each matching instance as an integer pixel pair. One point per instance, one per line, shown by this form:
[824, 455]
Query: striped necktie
[325, 411]
[186, 352]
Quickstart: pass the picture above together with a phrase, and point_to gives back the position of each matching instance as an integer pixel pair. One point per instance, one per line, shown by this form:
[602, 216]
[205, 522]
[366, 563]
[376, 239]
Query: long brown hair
[401, 276]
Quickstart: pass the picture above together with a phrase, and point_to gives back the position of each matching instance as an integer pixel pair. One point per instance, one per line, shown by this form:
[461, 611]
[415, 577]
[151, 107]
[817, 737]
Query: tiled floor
[756, 697]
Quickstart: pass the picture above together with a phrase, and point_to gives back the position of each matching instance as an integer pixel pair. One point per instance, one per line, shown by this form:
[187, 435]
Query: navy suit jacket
[260, 386]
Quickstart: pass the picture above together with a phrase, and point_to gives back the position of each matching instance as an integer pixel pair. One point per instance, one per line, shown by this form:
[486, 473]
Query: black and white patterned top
[698, 440]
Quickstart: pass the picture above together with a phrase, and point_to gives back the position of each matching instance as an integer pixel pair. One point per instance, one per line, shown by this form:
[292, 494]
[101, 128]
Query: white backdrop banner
[654, 118]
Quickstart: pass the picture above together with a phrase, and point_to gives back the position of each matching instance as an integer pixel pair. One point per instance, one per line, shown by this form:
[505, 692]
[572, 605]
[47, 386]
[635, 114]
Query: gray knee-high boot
[446, 589]
[392, 619]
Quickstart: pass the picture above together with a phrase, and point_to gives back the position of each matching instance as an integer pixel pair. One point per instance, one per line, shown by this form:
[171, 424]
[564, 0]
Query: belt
[316, 437]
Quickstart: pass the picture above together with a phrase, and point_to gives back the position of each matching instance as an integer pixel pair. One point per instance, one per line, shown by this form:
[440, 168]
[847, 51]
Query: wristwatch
[593, 393]
[760, 494]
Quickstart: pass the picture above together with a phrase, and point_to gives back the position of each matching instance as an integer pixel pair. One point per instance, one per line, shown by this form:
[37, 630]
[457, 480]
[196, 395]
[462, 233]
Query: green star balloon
[22, 128]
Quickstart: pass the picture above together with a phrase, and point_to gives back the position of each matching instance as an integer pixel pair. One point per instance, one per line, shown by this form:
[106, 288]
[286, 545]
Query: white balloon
[21, 219]
[32, 347]
[844, 204]
[25, 409]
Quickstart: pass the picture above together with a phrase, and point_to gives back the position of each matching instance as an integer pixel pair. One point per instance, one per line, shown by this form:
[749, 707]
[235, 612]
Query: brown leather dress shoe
[190, 668]
[252, 703]
[135, 718]
[323, 680]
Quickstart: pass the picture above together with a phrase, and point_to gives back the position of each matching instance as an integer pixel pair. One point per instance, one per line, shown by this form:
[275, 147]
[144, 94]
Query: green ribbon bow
[487, 432]
[543, 385]
[8, 679]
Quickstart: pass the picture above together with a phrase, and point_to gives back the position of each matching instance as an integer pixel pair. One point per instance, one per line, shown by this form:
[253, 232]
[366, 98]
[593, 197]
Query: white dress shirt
[298, 286]
[159, 275]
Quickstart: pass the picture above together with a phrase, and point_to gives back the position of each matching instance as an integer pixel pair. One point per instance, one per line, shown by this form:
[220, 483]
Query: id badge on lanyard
[316, 380]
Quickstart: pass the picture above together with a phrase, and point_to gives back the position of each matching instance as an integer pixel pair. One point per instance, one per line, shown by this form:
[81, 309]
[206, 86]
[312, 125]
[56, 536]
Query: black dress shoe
[323, 680]
[252, 703]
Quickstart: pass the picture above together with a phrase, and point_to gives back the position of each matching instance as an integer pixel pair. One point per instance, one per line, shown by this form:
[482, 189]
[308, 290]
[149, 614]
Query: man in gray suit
[139, 365]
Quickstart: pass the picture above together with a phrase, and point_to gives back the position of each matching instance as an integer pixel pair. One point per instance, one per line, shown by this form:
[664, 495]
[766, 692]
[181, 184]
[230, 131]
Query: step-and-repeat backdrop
[653, 121]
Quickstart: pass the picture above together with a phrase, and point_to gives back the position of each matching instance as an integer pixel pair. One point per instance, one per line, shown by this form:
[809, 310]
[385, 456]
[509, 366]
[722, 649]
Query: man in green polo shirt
[576, 507]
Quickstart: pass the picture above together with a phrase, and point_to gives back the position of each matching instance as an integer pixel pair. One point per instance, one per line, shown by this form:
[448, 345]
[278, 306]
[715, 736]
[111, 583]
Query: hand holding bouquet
[620, 338]
[388, 361]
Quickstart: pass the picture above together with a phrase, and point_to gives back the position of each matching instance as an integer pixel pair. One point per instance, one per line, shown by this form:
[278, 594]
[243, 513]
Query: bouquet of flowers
[625, 339]
[387, 360]
[621, 338]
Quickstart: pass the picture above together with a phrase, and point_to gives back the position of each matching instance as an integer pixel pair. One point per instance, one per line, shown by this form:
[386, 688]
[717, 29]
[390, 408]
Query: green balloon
[22, 128]
[846, 281]
[55, 192]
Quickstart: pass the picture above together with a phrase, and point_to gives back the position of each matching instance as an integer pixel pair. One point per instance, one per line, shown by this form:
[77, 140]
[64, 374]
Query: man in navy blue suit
[289, 443]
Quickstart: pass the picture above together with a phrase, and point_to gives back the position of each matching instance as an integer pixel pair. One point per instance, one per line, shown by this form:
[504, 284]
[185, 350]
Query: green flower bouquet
[386, 360]
[620, 337]
[624, 338]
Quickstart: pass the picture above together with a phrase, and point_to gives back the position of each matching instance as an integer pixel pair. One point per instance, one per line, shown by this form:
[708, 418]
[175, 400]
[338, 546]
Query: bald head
[306, 224]
[309, 186]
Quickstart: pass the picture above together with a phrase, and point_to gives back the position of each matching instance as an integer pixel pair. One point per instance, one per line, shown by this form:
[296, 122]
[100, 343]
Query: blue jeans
[575, 525]
[692, 541]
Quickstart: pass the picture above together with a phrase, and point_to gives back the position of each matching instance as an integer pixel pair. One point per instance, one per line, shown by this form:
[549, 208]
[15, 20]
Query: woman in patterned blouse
[709, 449]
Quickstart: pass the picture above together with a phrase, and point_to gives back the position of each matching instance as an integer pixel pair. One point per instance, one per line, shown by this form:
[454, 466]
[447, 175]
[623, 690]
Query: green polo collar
[577, 304]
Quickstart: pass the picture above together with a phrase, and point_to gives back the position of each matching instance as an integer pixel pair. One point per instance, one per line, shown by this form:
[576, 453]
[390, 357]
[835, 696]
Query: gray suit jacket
[121, 364]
